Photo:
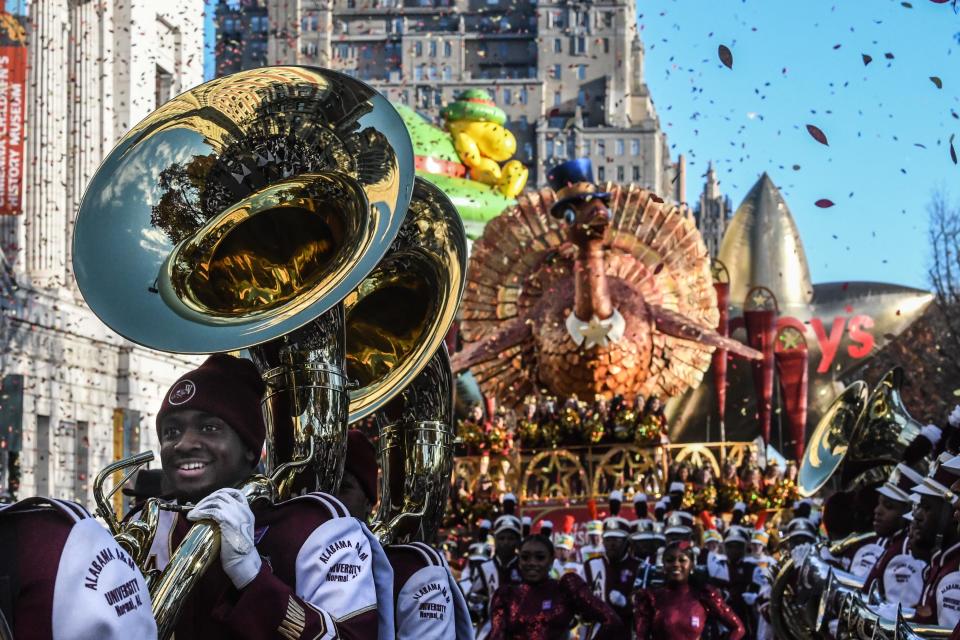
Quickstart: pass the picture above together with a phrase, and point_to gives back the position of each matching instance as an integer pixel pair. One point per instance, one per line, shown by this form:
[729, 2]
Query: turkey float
[590, 290]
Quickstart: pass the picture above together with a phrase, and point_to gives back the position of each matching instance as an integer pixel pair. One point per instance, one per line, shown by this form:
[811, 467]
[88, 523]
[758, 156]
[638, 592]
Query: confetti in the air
[823, 203]
[953, 150]
[817, 134]
[726, 56]
[937, 81]
[866, 59]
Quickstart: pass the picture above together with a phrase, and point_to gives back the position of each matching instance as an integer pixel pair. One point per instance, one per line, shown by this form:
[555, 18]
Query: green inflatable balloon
[438, 162]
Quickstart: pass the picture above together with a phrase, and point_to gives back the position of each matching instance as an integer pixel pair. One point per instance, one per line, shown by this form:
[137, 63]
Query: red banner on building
[13, 91]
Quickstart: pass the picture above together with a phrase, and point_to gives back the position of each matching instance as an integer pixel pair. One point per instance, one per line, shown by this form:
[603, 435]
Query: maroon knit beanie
[227, 387]
[362, 463]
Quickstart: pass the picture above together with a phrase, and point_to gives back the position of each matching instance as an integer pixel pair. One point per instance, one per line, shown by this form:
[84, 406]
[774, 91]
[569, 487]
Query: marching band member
[566, 560]
[500, 570]
[888, 522]
[680, 610]
[940, 600]
[594, 546]
[428, 604]
[540, 608]
[477, 554]
[641, 509]
[898, 574]
[645, 541]
[713, 558]
[757, 592]
[327, 576]
[546, 529]
[679, 527]
[740, 571]
[64, 577]
[612, 576]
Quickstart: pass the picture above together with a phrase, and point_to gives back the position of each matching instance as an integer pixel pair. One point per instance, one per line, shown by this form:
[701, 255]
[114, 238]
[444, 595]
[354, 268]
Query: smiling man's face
[201, 453]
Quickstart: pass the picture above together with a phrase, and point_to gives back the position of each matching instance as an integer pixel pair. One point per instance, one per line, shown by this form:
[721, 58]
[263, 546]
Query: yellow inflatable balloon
[492, 139]
[482, 142]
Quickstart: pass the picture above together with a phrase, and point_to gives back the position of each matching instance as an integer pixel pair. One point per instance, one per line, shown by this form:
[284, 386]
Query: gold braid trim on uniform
[294, 622]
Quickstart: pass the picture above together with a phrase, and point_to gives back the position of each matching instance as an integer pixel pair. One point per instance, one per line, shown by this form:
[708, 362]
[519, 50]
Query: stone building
[241, 35]
[75, 394]
[712, 212]
[568, 74]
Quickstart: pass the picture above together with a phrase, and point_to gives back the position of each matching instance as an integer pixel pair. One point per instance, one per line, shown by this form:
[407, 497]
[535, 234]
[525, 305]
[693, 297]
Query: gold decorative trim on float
[576, 474]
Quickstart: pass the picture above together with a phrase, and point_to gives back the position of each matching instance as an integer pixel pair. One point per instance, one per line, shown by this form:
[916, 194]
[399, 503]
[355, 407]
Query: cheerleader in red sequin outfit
[680, 610]
[541, 608]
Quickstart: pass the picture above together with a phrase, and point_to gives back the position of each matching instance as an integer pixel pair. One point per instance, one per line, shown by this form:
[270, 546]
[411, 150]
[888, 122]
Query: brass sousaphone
[861, 436]
[273, 210]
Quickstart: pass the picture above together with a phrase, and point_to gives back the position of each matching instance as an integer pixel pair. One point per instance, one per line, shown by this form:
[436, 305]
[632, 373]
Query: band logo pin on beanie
[181, 392]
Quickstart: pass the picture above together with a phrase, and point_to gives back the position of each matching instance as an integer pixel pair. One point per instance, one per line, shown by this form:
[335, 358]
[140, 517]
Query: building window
[164, 86]
[581, 72]
[418, 73]
[587, 147]
[447, 49]
[433, 48]
[581, 98]
[580, 45]
[41, 469]
[556, 71]
[523, 123]
[620, 147]
[571, 147]
[601, 148]
[508, 96]
[601, 173]
[556, 98]
[557, 45]
[606, 45]
[418, 48]
[447, 74]
[527, 150]
[82, 452]
[550, 150]
[620, 173]
[635, 147]
[523, 97]
[636, 173]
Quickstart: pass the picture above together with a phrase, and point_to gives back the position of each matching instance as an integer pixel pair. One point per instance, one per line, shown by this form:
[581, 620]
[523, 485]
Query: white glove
[617, 599]
[954, 418]
[750, 598]
[238, 555]
[932, 433]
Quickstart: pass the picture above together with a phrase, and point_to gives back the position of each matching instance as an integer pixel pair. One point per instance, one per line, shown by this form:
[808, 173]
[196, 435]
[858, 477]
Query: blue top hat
[573, 182]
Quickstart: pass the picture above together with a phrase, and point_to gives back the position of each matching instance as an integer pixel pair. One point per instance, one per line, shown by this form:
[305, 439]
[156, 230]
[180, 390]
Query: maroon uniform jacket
[428, 603]
[604, 577]
[681, 613]
[63, 576]
[940, 602]
[898, 574]
[546, 611]
[316, 581]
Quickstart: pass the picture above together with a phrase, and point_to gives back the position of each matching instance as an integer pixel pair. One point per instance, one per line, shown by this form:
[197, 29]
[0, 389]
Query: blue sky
[887, 124]
[788, 72]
